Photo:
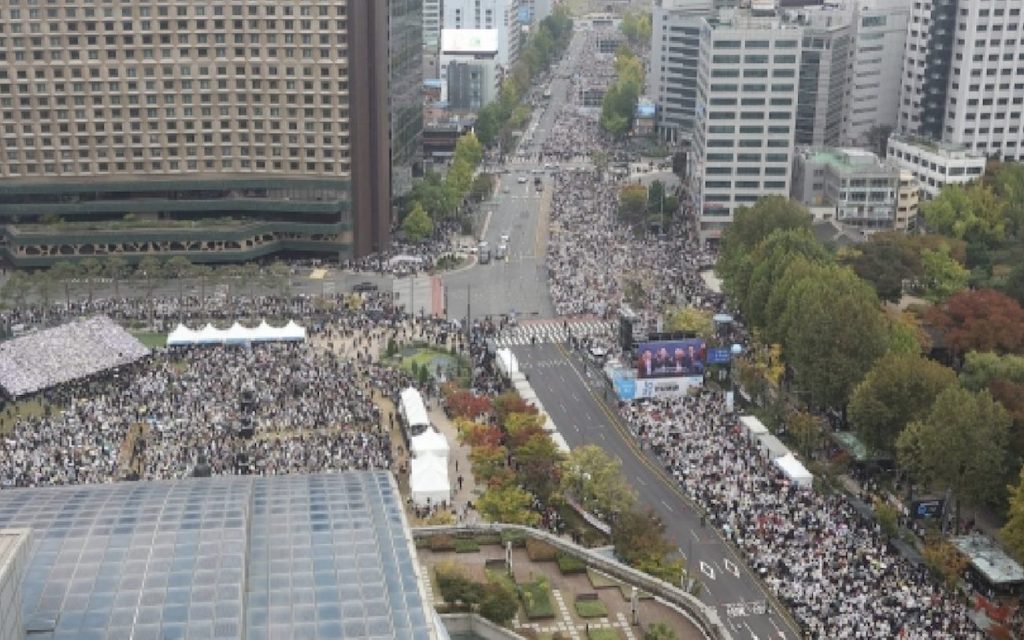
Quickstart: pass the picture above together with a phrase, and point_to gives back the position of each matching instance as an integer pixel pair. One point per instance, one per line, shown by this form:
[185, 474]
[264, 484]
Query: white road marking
[782, 634]
[707, 570]
[668, 506]
[694, 534]
[731, 567]
[641, 481]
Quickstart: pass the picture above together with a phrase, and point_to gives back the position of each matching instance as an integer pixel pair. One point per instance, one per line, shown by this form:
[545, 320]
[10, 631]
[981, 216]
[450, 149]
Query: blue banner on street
[719, 355]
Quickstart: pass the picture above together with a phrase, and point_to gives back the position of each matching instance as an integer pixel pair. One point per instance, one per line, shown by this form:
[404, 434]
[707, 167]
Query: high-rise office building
[431, 23]
[823, 75]
[879, 34]
[405, 90]
[746, 114]
[502, 15]
[675, 55]
[220, 131]
[963, 75]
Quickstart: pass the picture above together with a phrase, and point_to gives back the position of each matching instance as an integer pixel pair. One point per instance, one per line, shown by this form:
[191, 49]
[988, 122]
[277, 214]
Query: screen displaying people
[672, 359]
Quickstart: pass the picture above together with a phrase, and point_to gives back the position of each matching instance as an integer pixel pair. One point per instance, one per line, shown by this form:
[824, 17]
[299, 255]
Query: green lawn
[150, 339]
[569, 564]
[30, 408]
[603, 634]
[591, 609]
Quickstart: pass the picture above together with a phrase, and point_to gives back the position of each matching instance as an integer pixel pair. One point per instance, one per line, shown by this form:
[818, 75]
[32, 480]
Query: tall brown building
[217, 130]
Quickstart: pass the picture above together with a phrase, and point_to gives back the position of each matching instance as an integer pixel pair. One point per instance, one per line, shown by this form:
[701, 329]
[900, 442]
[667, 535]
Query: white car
[521, 179]
[504, 238]
[505, 190]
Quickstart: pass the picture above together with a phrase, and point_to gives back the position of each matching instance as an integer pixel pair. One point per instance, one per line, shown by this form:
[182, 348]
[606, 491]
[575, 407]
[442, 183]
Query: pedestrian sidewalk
[459, 466]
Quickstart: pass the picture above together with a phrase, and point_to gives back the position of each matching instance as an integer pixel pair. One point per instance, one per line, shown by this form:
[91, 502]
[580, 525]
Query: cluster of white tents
[428, 472]
[509, 367]
[236, 334]
[429, 483]
[772, 448]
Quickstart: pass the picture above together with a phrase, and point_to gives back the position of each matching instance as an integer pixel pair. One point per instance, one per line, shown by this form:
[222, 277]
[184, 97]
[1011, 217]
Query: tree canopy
[899, 389]
[973, 213]
[750, 226]
[595, 479]
[834, 332]
[417, 226]
[640, 541]
[960, 445]
[636, 26]
[980, 320]
[619, 104]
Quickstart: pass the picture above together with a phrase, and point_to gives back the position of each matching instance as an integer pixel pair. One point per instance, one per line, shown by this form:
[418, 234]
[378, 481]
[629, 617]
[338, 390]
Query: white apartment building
[675, 54]
[879, 35]
[935, 164]
[502, 15]
[963, 75]
[431, 24]
[746, 114]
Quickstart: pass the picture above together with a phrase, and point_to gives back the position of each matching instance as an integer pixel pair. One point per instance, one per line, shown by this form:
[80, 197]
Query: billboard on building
[670, 358]
[475, 41]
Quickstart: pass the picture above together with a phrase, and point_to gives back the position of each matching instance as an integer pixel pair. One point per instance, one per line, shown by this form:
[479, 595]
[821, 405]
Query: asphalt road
[518, 284]
[573, 398]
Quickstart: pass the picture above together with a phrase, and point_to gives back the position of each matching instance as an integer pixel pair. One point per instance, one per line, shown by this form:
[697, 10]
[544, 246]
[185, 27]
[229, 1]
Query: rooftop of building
[939, 147]
[317, 556]
[756, 15]
[846, 160]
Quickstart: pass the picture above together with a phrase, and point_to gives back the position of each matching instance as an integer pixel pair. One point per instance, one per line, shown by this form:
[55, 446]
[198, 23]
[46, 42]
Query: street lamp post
[735, 351]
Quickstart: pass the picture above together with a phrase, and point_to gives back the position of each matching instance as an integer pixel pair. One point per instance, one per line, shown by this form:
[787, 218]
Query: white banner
[666, 387]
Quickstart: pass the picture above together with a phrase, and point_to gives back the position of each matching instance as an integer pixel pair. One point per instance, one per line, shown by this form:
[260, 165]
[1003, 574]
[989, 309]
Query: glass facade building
[319, 556]
[406, 84]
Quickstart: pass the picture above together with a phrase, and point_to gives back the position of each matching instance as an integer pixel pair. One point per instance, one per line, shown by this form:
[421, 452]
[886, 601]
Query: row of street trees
[841, 350]
[73, 278]
[498, 120]
[650, 207]
[524, 474]
[619, 104]
[435, 199]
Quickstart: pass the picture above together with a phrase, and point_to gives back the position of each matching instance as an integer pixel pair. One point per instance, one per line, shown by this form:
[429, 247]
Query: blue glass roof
[303, 557]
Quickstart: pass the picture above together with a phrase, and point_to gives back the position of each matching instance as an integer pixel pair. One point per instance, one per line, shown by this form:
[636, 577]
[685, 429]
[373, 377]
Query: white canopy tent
[771, 446]
[796, 472]
[292, 332]
[430, 443]
[209, 335]
[236, 334]
[412, 409]
[507, 362]
[753, 427]
[181, 335]
[428, 481]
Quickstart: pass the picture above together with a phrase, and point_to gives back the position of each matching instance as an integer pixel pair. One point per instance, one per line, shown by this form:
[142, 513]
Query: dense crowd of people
[71, 351]
[299, 408]
[832, 567]
[271, 408]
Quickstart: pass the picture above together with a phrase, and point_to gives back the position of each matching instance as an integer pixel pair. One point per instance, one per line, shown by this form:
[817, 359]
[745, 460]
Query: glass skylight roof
[321, 556]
